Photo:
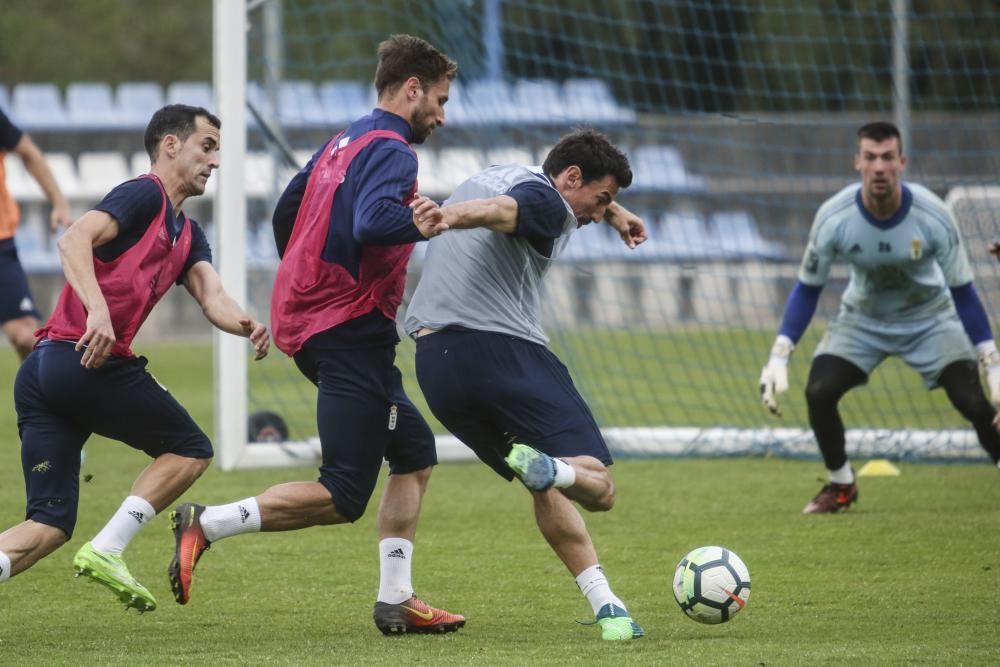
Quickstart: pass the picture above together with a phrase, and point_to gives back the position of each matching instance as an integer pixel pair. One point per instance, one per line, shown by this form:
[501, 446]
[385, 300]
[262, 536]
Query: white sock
[133, 514]
[395, 557]
[594, 585]
[842, 475]
[565, 475]
[4, 567]
[220, 521]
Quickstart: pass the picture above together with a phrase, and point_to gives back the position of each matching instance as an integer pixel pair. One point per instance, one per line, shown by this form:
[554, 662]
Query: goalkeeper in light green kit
[910, 294]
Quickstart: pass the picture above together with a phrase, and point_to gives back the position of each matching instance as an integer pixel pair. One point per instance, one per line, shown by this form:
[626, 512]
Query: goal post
[738, 119]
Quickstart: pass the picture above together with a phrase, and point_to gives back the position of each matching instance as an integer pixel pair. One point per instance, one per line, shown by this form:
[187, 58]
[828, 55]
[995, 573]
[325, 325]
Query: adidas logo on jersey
[396, 553]
[135, 514]
[855, 249]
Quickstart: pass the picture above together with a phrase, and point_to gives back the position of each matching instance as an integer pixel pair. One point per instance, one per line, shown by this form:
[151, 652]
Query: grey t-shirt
[485, 280]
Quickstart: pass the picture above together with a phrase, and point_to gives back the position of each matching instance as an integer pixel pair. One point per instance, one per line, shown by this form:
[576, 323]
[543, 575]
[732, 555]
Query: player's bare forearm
[628, 225]
[222, 310]
[496, 213]
[35, 164]
[76, 253]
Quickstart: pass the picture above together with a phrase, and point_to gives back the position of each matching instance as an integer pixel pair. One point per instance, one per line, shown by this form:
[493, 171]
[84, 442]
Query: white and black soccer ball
[711, 584]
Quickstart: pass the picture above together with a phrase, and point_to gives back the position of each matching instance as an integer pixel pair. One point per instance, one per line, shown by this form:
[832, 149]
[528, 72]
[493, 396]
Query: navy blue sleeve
[200, 250]
[971, 312]
[134, 205]
[10, 134]
[541, 212]
[288, 204]
[799, 310]
[385, 180]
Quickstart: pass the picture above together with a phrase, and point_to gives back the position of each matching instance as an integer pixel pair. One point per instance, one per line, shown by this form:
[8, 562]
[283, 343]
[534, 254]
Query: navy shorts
[491, 390]
[364, 416]
[60, 403]
[15, 297]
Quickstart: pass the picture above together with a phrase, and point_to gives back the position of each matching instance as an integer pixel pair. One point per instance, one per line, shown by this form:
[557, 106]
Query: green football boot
[616, 624]
[110, 571]
[536, 469]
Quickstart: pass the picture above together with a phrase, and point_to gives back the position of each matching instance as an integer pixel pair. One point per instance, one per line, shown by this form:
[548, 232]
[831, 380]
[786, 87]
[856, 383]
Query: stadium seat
[259, 175]
[684, 237]
[510, 155]
[590, 100]
[490, 101]
[738, 235]
[100, 172]
[540, 100]
[299, 105]
[139, 163]
[195, 93]
[64, 171]
[38, 106]
[136, 101]
[456, 112]
[429, 181]
[259, 98]
[90, 105]
[660, 167]
[454, 165]
[344, 101]
[22, 187]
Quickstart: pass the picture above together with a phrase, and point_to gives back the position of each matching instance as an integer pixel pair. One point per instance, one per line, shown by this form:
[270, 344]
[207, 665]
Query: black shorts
[491, 390]
[60, 403]
[15, 296]
[364, 416]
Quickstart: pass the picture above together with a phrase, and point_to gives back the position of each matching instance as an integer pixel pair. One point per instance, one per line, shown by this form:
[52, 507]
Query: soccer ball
[711, 584]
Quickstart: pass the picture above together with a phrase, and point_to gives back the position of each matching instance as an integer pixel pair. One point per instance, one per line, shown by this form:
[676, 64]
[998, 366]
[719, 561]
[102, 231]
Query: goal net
[739, 120]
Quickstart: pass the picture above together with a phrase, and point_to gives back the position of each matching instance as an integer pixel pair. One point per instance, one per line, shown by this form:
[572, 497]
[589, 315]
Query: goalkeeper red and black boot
[832, 498]
[414, 615]
[189, 544]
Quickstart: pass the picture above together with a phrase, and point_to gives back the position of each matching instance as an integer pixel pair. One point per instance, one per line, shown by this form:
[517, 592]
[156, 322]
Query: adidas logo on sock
[396, 553]
[244, 514]
[135, 514]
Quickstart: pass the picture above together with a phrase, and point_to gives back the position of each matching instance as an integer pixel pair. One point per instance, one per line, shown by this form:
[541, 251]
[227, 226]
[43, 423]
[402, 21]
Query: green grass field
[907, 576]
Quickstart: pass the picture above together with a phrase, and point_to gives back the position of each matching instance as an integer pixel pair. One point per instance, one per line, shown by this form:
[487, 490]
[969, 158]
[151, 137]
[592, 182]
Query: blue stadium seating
[591, 101]
[195, 93]
[38, 106]
[660, 167]
[136, 101]
[737, 234]
[90, 105]
[343, 101]
[299, 105]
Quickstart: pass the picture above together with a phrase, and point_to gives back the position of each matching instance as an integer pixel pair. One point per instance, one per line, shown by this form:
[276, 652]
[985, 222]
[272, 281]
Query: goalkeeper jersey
[485, 280]
[900, 268]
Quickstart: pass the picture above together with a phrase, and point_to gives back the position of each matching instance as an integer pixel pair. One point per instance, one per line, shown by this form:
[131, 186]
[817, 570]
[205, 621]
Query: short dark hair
[176, 119]
[593, 153]
[403, 56]
[880, 131]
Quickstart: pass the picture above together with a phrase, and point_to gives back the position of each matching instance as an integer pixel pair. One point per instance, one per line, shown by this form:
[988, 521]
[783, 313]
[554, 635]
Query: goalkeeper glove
[989, 363]
[774, 376]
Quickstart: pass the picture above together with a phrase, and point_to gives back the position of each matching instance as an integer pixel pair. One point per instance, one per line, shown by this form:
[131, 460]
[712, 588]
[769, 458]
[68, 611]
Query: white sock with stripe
[594, 585]
[220, 521]
[133, 514]
[395, 558]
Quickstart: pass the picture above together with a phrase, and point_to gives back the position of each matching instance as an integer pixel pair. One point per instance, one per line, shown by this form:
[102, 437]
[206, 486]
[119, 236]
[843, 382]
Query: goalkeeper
[910, 294]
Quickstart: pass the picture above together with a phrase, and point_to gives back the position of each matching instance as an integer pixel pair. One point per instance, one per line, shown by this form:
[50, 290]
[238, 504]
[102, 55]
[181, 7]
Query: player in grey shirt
[910, 294]
[481, 359]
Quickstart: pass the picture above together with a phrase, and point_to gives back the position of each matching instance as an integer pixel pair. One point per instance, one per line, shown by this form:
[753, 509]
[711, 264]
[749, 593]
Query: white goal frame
[231, 353]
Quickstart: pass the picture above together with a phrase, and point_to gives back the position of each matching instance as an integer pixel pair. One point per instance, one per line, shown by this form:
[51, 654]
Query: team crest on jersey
[916, 249]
